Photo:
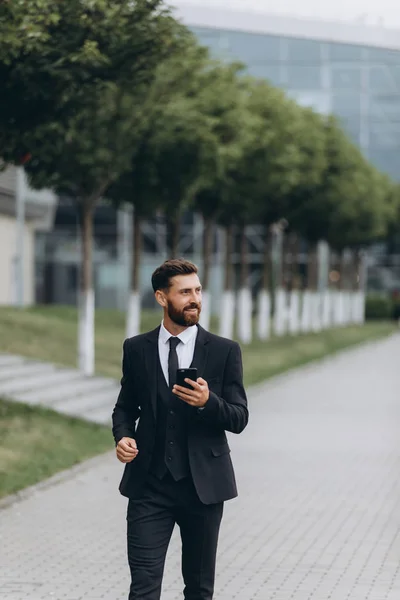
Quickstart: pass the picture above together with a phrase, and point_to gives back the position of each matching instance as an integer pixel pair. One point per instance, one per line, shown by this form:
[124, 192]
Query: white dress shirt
[184, 350]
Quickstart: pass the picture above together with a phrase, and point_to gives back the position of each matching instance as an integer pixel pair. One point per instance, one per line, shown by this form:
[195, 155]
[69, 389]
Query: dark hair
[161, 278]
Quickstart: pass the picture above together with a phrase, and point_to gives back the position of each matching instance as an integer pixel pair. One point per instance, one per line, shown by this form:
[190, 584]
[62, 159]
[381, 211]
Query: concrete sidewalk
[318, 517]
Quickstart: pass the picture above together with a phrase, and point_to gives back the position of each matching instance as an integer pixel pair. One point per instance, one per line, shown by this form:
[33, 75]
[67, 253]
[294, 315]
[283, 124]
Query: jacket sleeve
[229, 411]
[127, 409]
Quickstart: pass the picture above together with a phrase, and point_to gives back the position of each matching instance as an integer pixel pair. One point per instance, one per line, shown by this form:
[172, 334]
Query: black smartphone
[182, 374]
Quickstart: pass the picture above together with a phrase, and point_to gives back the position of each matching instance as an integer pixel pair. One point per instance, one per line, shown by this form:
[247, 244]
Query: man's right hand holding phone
[127, 450]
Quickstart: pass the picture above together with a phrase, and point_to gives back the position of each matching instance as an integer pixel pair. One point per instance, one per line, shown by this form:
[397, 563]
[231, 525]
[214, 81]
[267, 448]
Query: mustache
[192, 306]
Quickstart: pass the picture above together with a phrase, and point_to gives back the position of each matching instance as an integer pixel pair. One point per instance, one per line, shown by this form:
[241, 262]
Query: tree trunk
[86, 301]
[293, 247]
[207, 251]
[346, 294]
[293, 284]
[308, 297]
[244, 265]
[86, 230]
[133, 317]
[340, 300]
[357, 270]
[286, 267]
[342, 270]
[245, 299]
[362, 261]
[227, 307]
[312, 275]
[137, 250]
[208, 234]
[174, 230]
[327, 294]
[228, 283]
[264, 296]
[86, 295]
[280, 299]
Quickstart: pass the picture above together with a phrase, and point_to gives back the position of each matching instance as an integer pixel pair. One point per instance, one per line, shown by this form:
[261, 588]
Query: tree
[82, 154]
[173, 150]
[223, 99]
[343, 202]
[53, 53]
[184, 152]
[267, 170]
[136, 188]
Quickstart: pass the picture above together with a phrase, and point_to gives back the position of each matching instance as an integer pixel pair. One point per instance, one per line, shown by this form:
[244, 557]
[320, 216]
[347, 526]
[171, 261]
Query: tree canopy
[120, 94]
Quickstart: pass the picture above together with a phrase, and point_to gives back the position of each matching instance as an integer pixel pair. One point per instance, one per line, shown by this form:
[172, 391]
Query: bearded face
[181, 301]
[184, 317]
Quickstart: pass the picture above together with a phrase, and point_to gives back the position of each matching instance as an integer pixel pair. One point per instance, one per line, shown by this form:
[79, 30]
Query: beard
[183, 318]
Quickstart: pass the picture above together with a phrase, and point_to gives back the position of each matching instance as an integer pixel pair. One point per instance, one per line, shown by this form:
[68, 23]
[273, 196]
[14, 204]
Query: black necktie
[173, 363]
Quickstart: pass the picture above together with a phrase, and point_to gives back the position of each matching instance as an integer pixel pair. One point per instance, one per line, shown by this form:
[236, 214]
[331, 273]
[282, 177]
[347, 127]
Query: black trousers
[151, 520]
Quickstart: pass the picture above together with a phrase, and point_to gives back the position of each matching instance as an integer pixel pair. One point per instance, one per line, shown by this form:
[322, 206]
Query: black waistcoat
[170, 449]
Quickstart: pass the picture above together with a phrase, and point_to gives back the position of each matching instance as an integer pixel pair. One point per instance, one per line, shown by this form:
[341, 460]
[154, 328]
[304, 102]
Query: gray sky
[348, 10]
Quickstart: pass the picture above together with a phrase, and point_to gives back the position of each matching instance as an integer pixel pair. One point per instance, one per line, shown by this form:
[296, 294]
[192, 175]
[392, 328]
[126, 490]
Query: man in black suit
[178, 467]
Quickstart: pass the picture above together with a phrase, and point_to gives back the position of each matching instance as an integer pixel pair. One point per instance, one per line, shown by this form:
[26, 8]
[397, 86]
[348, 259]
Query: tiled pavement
[318, 517]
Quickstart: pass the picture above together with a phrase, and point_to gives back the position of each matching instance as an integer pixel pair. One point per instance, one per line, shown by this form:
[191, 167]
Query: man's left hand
[198, 396]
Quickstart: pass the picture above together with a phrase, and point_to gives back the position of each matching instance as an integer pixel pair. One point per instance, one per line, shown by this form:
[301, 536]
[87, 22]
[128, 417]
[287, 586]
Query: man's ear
[161, 299]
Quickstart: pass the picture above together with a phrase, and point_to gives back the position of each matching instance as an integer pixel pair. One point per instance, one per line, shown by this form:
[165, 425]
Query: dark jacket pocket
[220, 450]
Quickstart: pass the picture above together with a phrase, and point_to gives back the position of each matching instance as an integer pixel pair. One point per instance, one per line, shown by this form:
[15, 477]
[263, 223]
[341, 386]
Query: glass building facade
[360, 84]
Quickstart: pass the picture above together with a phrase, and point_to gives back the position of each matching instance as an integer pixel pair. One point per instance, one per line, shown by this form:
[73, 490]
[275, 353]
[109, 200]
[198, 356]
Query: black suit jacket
[219, 362]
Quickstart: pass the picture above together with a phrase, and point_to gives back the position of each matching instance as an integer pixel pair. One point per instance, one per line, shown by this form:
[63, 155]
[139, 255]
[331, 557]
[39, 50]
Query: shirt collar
[185, 337]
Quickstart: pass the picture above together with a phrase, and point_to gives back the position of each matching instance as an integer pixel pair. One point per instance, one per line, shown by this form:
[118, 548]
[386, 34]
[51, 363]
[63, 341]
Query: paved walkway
[318, 517]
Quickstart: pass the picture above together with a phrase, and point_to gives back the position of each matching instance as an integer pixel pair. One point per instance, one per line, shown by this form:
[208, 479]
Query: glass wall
[360, 85]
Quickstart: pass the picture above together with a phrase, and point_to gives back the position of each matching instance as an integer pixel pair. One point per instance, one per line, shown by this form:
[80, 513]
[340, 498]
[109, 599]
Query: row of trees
[116, 100]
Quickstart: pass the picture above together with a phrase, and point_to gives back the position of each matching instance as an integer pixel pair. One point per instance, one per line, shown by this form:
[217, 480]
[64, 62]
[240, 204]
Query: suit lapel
[200, 352]
[151, 360]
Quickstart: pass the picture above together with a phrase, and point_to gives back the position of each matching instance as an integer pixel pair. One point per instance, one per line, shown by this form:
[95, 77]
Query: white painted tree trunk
[133, 317]
[334, 294]
[280, 315]
[306, 308]
[348, 313]
[205, 316]
[264, 315]
[316, 312]
[227, 315]
[86, 332]
[294, 312]
[353, 307]
[327, 309]
[339, 309]
[344, 307]
[361, 297]
[245, 305]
